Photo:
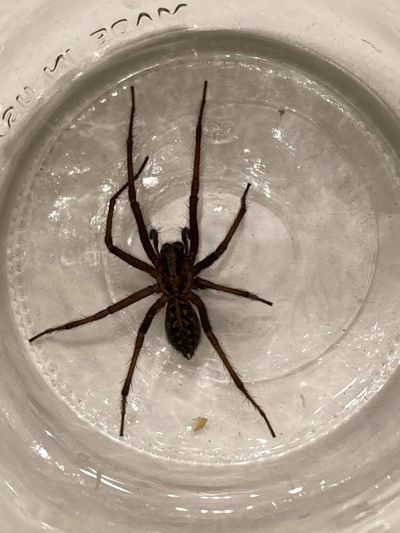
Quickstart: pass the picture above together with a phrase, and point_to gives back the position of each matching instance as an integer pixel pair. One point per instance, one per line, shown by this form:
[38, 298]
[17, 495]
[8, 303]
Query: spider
[176, 274]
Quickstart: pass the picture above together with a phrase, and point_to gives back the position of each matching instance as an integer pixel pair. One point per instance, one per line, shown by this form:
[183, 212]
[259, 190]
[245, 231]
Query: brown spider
[175, 271]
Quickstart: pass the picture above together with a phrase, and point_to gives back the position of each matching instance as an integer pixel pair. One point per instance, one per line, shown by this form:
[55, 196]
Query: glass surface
[320, 148]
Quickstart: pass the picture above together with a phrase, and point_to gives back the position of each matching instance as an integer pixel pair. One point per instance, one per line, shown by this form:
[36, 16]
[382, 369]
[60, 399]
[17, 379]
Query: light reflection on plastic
[296, 490]
[150, 181]
[47, 526]
[10, 487]
[277, 134]
[346, 387]
[60, 204]
[77, 170]
[106, 480]
[40, 450]
[77, 76]
[60, 466]
[360, 396]
[225, 497]
[113, 485]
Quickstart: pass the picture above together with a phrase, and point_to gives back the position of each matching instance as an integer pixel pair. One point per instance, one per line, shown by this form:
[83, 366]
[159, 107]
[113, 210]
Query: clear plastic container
[303, 104]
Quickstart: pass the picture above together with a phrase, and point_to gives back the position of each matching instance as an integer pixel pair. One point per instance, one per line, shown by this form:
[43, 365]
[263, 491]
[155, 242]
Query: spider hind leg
[205, 323]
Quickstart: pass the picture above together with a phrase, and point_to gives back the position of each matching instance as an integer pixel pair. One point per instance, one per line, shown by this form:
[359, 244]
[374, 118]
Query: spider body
[182, 326]
[176, 272]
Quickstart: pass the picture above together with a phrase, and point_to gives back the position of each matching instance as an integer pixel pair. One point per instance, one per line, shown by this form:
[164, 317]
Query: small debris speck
[199, 423]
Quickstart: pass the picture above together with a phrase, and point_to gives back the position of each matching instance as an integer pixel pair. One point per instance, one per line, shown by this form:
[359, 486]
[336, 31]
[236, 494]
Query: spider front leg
[213, 256]
[151, 313]
[128, 258]
[137, 212]
[194, 193]
[214, 341]
[185, 239]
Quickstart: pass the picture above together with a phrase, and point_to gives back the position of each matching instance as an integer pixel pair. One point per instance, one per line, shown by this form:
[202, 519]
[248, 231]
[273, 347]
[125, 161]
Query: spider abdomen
[182, 327]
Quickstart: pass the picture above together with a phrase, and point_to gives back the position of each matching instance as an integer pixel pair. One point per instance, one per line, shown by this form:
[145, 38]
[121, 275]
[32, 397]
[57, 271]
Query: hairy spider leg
[202, 283]
[185, 239]
[128, 258]
[151, 313]
[114, 308]
[144, 236]
[221, 248]
[194, 193]
[214, 341]
[153, 234]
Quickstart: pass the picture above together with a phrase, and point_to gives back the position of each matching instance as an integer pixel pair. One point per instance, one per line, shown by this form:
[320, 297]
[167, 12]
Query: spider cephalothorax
[175, 270]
